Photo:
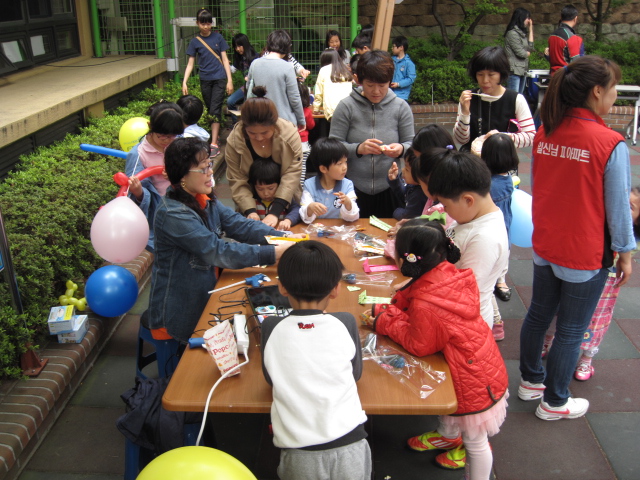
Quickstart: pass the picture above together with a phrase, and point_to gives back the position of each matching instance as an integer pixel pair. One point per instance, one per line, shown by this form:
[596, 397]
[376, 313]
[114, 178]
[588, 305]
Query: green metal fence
[143, 27]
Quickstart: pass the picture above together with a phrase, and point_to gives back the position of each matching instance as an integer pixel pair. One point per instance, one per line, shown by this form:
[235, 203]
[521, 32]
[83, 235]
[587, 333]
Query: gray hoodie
[355, 120]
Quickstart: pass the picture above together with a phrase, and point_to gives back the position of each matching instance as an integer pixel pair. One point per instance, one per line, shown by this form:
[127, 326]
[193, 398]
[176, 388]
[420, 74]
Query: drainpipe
[157, 16]
[242, 5]
[172, 14]
[95, 28]
[353, 18]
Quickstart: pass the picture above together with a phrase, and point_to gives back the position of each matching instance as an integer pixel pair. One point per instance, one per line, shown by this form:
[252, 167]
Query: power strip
[242, 335]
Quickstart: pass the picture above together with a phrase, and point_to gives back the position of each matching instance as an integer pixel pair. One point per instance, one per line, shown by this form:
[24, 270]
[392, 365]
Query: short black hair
[361, 41]
[264, 171]
[426, 161]
[279, 41]
[327, 151]
[165, 118]
[489, 58]
[192, 108]
[401, 41]
[353, 62]
[568, 13]
[432, 135]
[204, 16]
[459, 172]
[499, 153]
[376, 66]
[309, 270]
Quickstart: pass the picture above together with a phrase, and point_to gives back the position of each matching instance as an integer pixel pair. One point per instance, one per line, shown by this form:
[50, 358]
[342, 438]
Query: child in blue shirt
[406, 188]
[329, 194]
[264, 178]
[405, 72]
[192, 109]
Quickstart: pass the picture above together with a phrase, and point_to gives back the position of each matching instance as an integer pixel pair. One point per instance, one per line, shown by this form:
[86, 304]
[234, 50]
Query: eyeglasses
[205, 169]
[165, 137]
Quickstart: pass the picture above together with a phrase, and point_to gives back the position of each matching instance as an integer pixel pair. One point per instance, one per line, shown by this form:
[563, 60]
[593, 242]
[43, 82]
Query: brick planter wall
[445, 115]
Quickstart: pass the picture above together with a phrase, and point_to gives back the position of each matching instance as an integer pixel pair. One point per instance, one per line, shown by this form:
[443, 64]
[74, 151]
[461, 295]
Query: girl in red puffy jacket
[439, 310]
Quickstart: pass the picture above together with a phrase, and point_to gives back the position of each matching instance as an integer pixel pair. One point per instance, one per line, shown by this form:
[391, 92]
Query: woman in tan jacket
[262, 135]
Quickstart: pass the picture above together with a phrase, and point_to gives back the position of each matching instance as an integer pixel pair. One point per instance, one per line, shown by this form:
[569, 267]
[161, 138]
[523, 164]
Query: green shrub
[48, 203]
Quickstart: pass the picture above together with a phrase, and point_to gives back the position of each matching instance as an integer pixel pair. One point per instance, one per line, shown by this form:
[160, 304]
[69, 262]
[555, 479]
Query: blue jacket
[404, 75]
[501, 192]
[150, 195]
[411, 197]
[187, 252]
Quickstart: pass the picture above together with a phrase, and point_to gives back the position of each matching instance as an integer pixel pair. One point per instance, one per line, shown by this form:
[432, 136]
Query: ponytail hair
[423, 245]
[571, 87]
[259, 110]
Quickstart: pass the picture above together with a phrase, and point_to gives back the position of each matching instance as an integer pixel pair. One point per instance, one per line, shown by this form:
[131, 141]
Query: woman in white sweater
[333, 83]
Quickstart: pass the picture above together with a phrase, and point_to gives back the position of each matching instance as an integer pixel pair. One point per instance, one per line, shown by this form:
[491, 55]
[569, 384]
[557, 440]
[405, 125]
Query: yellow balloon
[516, 180]
[195, 463]
[69, 292]
[69, 284]
[131, 131]
[82, 304]
[74, 301]
[63, 299]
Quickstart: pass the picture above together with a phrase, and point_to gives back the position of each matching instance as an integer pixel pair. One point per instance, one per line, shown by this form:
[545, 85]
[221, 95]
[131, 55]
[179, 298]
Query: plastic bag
[414, 373]
[365, 245]
[383, 279]
[341, 232]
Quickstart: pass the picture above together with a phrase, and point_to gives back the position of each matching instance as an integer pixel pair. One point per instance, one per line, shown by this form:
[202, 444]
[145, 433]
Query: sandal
[503, 293]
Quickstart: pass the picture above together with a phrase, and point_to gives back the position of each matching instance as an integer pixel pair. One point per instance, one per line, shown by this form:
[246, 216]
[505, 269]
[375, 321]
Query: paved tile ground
[85, 445]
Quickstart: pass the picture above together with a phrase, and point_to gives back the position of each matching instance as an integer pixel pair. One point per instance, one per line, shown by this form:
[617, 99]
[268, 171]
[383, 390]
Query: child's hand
[254, 216]
[394, 230]
[185, 89]
[229, 87]
[135, 187]
[284, 225]
[370, 146]
[270, 220]
[367, 318]
[398, 286]
[316, 208]
[394, 85]
[393, 171]
[344, 200]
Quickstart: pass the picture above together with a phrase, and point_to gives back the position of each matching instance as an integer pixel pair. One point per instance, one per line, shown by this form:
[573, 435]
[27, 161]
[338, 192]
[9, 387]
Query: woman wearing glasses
[261, 134]
[165, 124]
[189, 226]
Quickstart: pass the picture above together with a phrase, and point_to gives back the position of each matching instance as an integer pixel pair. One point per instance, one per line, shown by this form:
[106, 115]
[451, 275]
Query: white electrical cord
[225, 375]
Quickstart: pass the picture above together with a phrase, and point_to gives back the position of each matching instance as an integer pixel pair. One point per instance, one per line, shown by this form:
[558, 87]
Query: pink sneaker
[584, 371]
[498, 331]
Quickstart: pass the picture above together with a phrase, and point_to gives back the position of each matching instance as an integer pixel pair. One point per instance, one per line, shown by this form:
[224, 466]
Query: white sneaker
[574, 408]
[530, 391]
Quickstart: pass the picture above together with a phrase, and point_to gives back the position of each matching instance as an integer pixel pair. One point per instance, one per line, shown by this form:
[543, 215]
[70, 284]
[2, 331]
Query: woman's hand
[392, 174]
[465, 102]
[135, 187]
[393, 150]
[270, 220]
[284, 225]
[316, 208]
[254, 216]
[370, 146]
[344, 200]
[281, 248]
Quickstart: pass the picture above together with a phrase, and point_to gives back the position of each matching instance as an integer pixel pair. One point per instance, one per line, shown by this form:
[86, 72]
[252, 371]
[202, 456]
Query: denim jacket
[501, 192]
[186, 254]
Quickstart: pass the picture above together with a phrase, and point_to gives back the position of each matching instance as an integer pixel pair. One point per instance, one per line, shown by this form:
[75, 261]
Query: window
[15, 50]
[11, 11]
[39, 8]
[60, 7]
[67, 41]
[42, 45]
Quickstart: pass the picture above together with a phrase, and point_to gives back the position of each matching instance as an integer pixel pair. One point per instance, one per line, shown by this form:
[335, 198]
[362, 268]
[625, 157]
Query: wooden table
[248, 392]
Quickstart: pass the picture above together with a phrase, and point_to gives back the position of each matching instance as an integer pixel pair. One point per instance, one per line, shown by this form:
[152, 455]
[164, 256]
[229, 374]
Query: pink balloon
[119, 231]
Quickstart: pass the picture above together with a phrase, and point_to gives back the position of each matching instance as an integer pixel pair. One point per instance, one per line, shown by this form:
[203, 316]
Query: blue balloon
[521, 223]
[87, 147]
[111, 291]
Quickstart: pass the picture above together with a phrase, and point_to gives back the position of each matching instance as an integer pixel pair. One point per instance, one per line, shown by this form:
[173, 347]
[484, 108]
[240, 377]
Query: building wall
[413, 18]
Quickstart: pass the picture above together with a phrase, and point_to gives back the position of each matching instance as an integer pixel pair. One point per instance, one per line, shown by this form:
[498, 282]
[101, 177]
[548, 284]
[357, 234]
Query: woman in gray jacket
[518, 43]
[377, 128]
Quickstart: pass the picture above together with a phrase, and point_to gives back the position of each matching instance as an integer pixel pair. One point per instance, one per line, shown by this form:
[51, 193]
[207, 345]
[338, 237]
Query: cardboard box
[80, 327]
[60, 319]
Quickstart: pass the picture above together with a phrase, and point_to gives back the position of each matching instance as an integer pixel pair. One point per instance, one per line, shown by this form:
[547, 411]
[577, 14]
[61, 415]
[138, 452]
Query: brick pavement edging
[30, 407]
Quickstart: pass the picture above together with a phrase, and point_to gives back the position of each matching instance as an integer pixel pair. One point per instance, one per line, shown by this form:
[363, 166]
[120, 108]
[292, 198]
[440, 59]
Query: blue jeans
[574, 303]
[517, 83]
[234, 101]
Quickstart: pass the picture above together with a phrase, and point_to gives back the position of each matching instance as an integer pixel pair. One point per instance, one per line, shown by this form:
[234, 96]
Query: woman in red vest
[580, 185]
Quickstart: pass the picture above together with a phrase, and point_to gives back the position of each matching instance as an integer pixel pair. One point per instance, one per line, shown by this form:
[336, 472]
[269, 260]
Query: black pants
[380, 204]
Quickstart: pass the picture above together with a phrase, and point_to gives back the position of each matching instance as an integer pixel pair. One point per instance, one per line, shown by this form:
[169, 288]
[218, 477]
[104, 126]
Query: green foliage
[48, 203]
[626, 54]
